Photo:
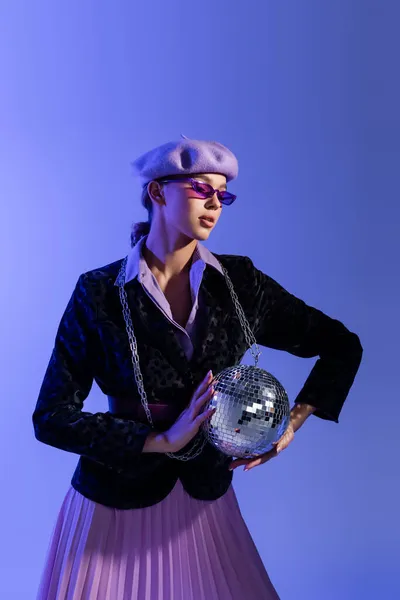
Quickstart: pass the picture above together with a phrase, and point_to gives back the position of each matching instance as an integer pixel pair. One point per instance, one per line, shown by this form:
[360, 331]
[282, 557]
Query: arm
[58, 417]
[156, 442]
[287, 323]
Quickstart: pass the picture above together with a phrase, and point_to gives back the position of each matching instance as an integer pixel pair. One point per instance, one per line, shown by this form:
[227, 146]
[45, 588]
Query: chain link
[199, 441]
[248, 333]
[135, 354]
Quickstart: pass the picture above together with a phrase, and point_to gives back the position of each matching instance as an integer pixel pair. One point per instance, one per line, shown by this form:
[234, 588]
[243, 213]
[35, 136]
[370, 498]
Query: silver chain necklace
[199, 441]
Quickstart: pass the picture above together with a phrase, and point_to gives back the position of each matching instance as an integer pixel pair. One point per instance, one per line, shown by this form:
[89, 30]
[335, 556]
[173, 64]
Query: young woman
[151, 513]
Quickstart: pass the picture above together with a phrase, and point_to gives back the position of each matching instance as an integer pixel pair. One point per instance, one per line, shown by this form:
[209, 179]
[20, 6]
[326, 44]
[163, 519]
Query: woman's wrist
[299, 413]
[304, 408]
[156, 441]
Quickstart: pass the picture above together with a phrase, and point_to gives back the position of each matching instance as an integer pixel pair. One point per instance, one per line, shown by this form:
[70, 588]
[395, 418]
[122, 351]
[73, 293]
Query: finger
[207, 395]
[239, 462]
[278, 446]
[284, 442]
[288, 433]
[255, 461]
[204, 416]
[199, 407]
[202, 387]
[260, 461]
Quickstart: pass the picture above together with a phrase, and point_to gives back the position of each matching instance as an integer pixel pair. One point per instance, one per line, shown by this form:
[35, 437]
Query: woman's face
[188, 213]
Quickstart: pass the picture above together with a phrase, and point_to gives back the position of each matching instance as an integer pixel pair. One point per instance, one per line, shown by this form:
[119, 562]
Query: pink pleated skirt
[178, 549]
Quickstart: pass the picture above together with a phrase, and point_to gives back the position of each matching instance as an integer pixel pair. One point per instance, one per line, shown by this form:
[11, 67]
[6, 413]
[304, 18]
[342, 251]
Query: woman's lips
[206, 222]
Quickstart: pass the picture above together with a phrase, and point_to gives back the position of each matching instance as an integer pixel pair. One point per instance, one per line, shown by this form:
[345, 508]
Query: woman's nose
[214, 201]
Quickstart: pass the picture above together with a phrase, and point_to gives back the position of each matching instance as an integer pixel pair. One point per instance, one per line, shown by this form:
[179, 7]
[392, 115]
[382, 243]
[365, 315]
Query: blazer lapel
[216, 312]
[156, 328]
[216, 318]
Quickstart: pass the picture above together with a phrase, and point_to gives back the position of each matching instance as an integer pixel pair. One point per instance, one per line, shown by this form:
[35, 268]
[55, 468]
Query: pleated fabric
[178, 549]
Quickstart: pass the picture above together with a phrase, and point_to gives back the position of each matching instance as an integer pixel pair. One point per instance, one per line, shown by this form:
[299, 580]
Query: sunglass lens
[227, 198]
[202, 188]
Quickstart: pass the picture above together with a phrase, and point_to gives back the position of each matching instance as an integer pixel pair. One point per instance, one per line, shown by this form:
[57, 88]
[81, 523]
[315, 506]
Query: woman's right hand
[189, 421]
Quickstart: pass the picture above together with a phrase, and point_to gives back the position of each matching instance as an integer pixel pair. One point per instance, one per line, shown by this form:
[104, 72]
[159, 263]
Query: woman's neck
[168, 258]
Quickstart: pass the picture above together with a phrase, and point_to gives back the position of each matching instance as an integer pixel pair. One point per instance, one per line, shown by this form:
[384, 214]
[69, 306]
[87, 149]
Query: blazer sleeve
[59, 419]
[285, 322]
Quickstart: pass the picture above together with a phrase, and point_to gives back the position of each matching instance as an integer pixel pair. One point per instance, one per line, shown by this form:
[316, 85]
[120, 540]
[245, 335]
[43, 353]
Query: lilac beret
[186, 157]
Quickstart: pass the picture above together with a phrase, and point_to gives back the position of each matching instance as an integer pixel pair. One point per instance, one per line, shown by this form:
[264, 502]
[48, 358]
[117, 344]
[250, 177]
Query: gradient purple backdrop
[306, 93]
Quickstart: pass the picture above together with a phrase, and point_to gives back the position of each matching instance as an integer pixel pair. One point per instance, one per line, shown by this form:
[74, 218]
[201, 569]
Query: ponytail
[143, 227]
[138, 231]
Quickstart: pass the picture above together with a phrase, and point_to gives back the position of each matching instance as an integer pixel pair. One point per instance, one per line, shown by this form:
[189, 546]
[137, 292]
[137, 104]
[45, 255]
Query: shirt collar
[136, 262]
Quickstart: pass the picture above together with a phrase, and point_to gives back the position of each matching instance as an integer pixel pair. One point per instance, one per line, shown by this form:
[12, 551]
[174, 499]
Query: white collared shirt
[137, 267]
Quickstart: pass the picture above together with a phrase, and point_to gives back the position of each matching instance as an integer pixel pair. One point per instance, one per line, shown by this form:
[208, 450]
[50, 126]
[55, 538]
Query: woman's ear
[156, 192]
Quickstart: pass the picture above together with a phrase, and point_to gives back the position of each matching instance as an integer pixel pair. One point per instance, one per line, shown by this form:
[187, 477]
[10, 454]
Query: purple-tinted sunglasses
[205, 190]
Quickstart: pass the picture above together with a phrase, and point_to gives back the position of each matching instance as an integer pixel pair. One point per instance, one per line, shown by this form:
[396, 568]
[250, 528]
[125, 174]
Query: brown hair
[143, 227]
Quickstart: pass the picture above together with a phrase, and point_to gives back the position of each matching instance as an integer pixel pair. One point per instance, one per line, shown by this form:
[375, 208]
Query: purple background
[307, 94]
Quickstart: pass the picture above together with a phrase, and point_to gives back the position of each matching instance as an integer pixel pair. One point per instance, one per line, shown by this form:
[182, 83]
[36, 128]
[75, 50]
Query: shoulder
[100, 277]
[235, 261]
[103, 274]
[251, 282]
[93, 287]
[246, 279]
[239, 268]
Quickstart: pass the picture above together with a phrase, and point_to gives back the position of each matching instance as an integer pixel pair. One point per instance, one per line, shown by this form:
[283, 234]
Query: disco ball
[253, 411]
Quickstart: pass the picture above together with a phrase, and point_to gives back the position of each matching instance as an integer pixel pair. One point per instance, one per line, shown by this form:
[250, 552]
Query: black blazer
[92, 344]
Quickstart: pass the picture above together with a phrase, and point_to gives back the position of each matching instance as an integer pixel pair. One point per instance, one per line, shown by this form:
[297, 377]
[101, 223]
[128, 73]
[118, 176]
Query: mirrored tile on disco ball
[252, 411]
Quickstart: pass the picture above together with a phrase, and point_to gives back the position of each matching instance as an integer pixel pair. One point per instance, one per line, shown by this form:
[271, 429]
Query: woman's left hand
[298, 414]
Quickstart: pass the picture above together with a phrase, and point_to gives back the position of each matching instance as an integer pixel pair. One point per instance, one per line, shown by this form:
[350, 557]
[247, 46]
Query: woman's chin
[196, 234]
[202, 234]
[199, 233]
